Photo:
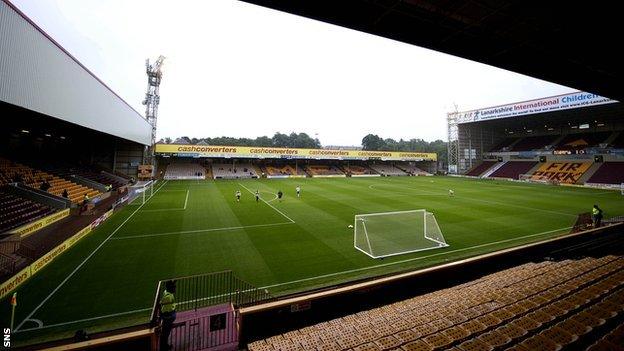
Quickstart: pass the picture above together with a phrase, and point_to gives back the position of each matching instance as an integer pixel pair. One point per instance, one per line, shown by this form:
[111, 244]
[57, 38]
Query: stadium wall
[38, 74]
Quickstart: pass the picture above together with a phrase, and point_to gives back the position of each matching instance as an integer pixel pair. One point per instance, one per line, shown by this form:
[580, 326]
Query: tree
[281, 140]
[373, 142]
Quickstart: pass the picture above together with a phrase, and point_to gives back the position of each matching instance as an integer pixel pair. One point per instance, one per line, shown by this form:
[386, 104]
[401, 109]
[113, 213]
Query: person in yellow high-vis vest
[167, 314]
[596, 216]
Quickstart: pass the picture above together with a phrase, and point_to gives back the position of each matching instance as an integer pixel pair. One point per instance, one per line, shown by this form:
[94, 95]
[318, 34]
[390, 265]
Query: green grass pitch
[192, 227]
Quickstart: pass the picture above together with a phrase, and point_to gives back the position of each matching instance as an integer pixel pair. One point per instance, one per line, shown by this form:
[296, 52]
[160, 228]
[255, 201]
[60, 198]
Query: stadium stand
[582, 140]
[536, 306]
[561, 172]
[274, 170]
[505, 144]
[358, 170]
[608, 173]
[227, 171]
[185, 171]
[98, 177]
[411, 169]
[389, 170]
[534, 143]
[68, 170]
[16, 211]
[618, 142]
[480, 168]
[323, 170]
[513, 169]
[18, 173]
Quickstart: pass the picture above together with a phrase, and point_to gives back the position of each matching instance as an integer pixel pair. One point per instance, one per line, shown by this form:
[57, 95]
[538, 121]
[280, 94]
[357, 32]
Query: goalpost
[380, 235]
[141, 190]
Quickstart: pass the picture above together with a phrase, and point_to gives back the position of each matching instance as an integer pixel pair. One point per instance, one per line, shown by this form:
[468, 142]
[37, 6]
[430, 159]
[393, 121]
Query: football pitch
[193, 227]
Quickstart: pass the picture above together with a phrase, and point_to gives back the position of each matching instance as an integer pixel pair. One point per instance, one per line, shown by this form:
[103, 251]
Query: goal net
[386, 234]
[140, 192]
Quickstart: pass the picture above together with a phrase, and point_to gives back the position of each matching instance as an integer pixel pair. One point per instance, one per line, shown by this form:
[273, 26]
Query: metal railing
[7, 264]
[198, 291]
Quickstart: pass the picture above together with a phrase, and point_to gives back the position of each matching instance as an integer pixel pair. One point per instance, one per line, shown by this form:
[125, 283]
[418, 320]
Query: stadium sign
[179, 150]
[554, 103]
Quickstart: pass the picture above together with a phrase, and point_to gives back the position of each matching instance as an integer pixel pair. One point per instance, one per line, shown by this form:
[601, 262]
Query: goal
[386, 234]
[139, 193]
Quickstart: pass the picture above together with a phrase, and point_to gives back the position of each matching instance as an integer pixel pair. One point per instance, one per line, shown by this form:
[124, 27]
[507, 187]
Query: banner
[29, 271]
[14, 282]
[32, 227]
[554, 103]
[562, 172]
[288, 153]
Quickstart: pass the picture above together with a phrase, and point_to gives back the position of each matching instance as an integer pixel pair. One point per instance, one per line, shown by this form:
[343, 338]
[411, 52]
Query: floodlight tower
[152, 99]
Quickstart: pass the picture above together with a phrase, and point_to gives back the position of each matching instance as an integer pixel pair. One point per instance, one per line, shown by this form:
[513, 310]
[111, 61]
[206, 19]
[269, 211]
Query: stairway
[492, 169]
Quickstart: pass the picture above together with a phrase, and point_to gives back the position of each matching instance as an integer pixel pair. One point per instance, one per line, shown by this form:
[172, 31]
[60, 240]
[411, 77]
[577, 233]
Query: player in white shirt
[451, 192]
[298, 188]
[238, 195]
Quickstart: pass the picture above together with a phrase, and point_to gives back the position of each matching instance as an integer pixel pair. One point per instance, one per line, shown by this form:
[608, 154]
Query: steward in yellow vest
[167, 314]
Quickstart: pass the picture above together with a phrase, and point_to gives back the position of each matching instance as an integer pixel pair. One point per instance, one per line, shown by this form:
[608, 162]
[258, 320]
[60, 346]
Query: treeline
[292, 140]
[303, 140]
[375, 142]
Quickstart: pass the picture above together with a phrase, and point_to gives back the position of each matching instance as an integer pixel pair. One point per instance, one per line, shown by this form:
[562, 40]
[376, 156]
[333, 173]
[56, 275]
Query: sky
[240, 70]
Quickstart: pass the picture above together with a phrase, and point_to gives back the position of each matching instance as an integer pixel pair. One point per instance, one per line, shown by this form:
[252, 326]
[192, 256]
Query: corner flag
[13, 304]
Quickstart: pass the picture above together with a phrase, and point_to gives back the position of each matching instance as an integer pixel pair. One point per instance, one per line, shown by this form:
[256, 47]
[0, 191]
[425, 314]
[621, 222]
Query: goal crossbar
[385, 234]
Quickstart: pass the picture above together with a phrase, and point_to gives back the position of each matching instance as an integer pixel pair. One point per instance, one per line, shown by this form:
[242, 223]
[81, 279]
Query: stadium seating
[608, 173]
[561, 172]
[582, 140]
[504, 144]
[84, 172]
[282, 170]
[618, 142]
[11, 171]
[240, 170]
[359, 170]
[480, 168]
[534, 143]
[412, 169]
[185, 171]
[390, 170]
[323, 170]
[513, 169]
[536, 306]
[16, 211]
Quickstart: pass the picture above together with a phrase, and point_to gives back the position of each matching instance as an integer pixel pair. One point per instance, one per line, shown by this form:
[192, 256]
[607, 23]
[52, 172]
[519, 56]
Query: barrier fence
[206, 308]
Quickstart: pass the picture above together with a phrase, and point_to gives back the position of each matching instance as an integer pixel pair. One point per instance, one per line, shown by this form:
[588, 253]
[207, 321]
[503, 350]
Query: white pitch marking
[273, 207]
[199, 231]
[343, 272]
[85, 261]
[412, 259]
